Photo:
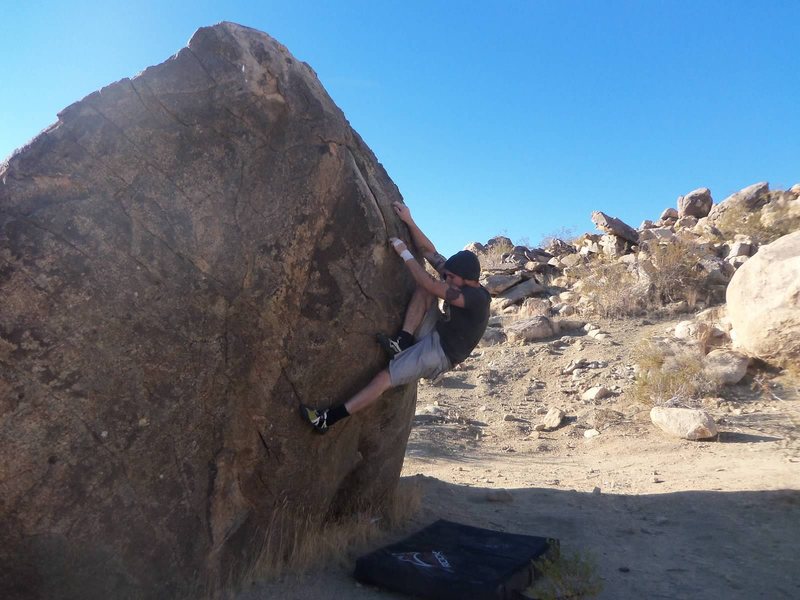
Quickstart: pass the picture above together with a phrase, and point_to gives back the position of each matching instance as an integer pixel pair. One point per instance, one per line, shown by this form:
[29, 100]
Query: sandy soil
[662, 517]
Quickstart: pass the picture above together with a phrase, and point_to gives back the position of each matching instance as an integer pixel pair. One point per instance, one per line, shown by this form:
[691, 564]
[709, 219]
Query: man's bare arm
[421, 241]
[440, 289]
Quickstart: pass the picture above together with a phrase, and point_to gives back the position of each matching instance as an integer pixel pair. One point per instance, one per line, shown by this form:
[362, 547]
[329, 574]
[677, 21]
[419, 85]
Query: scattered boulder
[696, 203]
[687, 222]
[563, 325]
[597, 392]
[669, 213]
[686, 423]
[763, 305]
[516, 293]
[492, 336]
[569, 260]
[725, 367]
[476, 247]
[558, 247]
[500, 282]
[613, 225]
[659, 234]
[613, 245]
[740, 248]
[552, 420]
[528, 330]
[691, 330]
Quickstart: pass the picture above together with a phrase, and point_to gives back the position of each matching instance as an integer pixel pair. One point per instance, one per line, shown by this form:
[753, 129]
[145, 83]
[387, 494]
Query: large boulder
[696, 203]
[516, 293]
[745, 200]
[185, 257]
[497, 283]
[764, 302]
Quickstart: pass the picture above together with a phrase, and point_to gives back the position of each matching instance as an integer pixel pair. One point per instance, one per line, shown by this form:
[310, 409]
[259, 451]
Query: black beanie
[464, 264]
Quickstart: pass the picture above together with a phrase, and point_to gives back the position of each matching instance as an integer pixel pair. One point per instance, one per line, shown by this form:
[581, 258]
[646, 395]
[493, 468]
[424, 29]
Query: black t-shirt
[464, 328]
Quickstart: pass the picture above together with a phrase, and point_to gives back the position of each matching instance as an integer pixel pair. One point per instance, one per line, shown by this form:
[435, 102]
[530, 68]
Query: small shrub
[670, 373]
[566, 576]
[676, 274]
[493, 256]
[534, 307]
[610, 287]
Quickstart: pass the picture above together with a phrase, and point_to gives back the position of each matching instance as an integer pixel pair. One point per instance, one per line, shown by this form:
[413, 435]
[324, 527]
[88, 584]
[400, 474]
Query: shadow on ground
[693, 545]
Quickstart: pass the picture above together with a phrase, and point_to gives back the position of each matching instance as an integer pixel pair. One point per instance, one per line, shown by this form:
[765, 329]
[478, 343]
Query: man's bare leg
[368, 395]
[417, 309]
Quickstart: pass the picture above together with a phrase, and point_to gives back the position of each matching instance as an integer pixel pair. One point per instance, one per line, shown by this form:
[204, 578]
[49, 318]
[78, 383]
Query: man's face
[453, 279]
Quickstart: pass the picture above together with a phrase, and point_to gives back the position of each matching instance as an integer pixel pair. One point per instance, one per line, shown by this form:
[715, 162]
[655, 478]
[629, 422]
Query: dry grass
[566, 234]
[670, 374]
[666, 274]
[609, 287]
[492, 258]
[566, 576]
[297, 541]
[675, 275]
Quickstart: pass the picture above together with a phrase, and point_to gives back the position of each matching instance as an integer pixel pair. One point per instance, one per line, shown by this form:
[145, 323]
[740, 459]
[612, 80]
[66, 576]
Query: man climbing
[430, 342]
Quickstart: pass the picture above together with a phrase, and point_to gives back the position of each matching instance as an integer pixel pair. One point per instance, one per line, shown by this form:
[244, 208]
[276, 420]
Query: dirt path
[662, 517]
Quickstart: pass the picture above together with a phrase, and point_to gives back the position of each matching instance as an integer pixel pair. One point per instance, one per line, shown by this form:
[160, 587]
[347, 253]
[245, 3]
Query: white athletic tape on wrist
[406, 255]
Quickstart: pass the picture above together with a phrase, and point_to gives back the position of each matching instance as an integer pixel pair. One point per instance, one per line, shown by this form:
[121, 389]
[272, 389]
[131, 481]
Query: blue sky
[505, 117]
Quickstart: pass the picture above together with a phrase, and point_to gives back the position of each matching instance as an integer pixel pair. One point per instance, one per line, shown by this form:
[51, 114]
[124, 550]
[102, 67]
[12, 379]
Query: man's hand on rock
[401, 248]
[403, 212]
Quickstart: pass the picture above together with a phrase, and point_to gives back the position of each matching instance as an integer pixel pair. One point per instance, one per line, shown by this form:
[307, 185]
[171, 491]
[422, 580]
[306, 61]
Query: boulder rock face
[764, 302]
[184, 257]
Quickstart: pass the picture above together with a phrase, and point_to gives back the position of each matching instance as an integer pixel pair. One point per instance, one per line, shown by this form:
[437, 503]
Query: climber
[430, 341]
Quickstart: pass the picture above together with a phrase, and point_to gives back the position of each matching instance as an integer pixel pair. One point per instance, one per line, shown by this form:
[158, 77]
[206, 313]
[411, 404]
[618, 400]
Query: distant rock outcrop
[184, 257]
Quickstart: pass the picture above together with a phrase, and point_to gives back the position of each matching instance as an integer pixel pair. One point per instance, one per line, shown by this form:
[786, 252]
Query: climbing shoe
[395, 345]
[316, 418]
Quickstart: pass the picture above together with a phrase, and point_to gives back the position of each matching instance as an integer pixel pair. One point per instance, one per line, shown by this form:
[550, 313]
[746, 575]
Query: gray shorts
[425, 358]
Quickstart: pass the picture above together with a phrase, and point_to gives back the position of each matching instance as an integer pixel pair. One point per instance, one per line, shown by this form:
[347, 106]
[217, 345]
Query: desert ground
[659, 517]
